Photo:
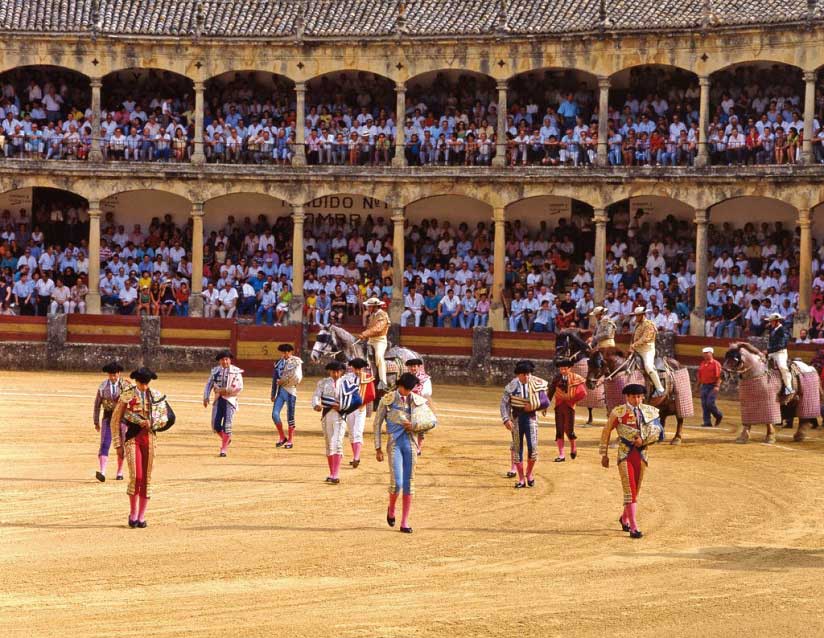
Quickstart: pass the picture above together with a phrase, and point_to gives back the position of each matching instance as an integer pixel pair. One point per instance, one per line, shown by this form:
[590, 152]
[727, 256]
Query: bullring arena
[517, 192]
[259, 545]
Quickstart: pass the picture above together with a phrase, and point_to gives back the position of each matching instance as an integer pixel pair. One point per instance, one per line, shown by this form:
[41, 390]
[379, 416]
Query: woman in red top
[568, 389]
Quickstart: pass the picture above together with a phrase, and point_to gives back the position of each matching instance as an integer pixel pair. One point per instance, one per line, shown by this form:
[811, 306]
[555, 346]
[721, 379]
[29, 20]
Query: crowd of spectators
[447, 280]
[552, 118]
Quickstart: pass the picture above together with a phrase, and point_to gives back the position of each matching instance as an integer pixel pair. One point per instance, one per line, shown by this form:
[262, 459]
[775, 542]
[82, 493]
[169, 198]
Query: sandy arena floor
[257, 544]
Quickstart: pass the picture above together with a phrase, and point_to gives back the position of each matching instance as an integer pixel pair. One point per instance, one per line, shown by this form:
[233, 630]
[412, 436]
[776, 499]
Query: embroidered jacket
[342, 393]
[134, 407]
[230, 379]
[518, 397]
[568, 391]
[395, 410]
[623, 420]
[605, 333]
[290, 371]
[107, 395]
[644, 337]
[377, 326]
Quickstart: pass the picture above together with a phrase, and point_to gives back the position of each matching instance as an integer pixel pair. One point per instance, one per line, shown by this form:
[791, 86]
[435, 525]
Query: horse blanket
[757, 397]
[809, 403]
[614, 387]
[684, 406]
[595, 396]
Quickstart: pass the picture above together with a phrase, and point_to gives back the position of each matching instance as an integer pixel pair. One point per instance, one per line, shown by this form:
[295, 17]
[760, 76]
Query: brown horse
[603, 363]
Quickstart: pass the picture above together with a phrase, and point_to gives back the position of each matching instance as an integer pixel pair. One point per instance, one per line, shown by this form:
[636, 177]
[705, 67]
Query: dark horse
[602, 364]
[571, 344]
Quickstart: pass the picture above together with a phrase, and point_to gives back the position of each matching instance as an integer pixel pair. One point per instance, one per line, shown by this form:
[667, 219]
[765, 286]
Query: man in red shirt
[709, 378]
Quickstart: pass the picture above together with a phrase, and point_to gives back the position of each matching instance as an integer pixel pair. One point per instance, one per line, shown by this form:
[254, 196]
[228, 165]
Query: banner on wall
[15, 200]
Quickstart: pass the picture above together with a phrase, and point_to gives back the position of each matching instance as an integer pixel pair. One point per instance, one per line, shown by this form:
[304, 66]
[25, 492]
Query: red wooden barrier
[256, 347]
[455, 341]
[194, 331]
[112, 329]
[23, 328]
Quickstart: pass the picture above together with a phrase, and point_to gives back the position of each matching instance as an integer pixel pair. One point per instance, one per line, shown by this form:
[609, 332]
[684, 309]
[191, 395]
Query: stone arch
[481, 85]
[384, 192]
[548, 209]
[78, 83]
[731, 62]
[265, 85]
[351, 204]
[452, 207]
[242, 204]
[656, 193]
[485, 193]
[173, 82]
[741, 209]
[140, 205]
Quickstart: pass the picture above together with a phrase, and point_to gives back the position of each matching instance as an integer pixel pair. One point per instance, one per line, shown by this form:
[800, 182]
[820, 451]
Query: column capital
[701, 216]
[804, 215]
[703, 80]
[94, 208]
[297, 209]
[400, 87]
[96, 82]
[600, 216]
[499, 214]
[200, 87]
[197, 209]
[300, 87]
[810, 76]
[502, 85]
[604, 82]
[297, 214]
[398, 214]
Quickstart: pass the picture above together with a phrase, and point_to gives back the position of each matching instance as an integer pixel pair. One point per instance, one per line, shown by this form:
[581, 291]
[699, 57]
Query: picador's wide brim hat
[774, 316]
[373, 301]
[634, 388]
[597, 310]
[640, 310]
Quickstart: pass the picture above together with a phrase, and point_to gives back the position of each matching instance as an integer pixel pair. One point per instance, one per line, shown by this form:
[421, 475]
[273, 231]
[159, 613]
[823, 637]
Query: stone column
[93, 298]
[603, 121]
[500, 131]
[600, 218]
[199, 155]
[805, 269]
[398, 248]
[196, 297]
[701, 271]
[807, 156]
[298, 265]
[95, 154]
[400, 118]
[496, 311]
[703, 158]
[299, 157]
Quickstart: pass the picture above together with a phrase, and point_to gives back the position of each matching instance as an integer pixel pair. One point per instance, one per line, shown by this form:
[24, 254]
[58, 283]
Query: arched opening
[449, 246]
[147, 115]
[753, 261]
[650, 260]
[552, 117]
[653, 116]
[549, 263]
[347, 255]
[43, 235]
[350, 119]
[756, 114]
[450, 118]
[254, 107]
[44, 111]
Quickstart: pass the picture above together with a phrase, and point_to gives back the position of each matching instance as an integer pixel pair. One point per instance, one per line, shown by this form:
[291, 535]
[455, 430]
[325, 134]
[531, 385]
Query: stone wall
[478, 368]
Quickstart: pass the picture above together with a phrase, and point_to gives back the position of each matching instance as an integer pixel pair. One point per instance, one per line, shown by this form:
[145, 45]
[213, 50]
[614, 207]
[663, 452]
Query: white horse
[750, 364]
[333, 342]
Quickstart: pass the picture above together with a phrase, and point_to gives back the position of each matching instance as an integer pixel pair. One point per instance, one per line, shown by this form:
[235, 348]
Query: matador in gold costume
[637, 426]
[144, 411]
